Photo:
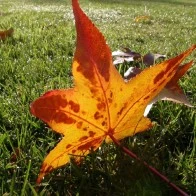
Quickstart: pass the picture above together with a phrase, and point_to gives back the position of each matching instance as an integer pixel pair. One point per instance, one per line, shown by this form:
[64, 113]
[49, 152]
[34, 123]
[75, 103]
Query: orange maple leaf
[101, 105]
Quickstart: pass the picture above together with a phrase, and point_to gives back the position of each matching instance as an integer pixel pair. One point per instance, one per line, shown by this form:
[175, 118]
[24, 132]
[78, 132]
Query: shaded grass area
[38, 58]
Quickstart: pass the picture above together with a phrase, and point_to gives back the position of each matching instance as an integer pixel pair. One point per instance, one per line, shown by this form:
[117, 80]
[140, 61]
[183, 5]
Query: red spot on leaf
[79, 124]
[159, 76]
[62, 117]
[103, 123]
[73, 151]
[146, 97]
[122, 109]
[83, 138]
[68, 145]
[99, 99]
[93, 90]
[86, 146]
[91, 134]
[74, 106]
[62, 101]
[104, 70]
[84, 70]
[54, 100]
[97, 115]
[101, 106]
[171, 67]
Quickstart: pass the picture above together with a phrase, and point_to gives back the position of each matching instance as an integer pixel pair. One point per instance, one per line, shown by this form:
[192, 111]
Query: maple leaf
[101, 105]
[6, 33]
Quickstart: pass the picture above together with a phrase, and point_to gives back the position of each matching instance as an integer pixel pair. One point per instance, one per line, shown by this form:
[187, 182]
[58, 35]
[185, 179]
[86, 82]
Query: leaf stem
[152, 169]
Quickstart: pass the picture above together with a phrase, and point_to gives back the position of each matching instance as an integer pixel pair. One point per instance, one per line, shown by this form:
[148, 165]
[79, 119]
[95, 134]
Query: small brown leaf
[15, 154]
[6, 33]
[125, 56]
[142, 18]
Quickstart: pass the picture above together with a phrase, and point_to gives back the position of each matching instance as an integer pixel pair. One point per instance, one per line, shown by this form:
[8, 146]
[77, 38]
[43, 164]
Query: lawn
[38, 58]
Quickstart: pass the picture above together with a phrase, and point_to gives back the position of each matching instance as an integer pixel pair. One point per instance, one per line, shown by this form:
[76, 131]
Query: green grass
[38, 58]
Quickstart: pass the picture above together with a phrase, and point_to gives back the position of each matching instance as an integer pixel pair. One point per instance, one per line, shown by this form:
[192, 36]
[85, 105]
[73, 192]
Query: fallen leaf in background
[120, 60]
[101, 106]
[6, 33]
[142, 18]
[126, 53]
[125, 56]
[129, 56]
[131, 72]
[149, 59]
